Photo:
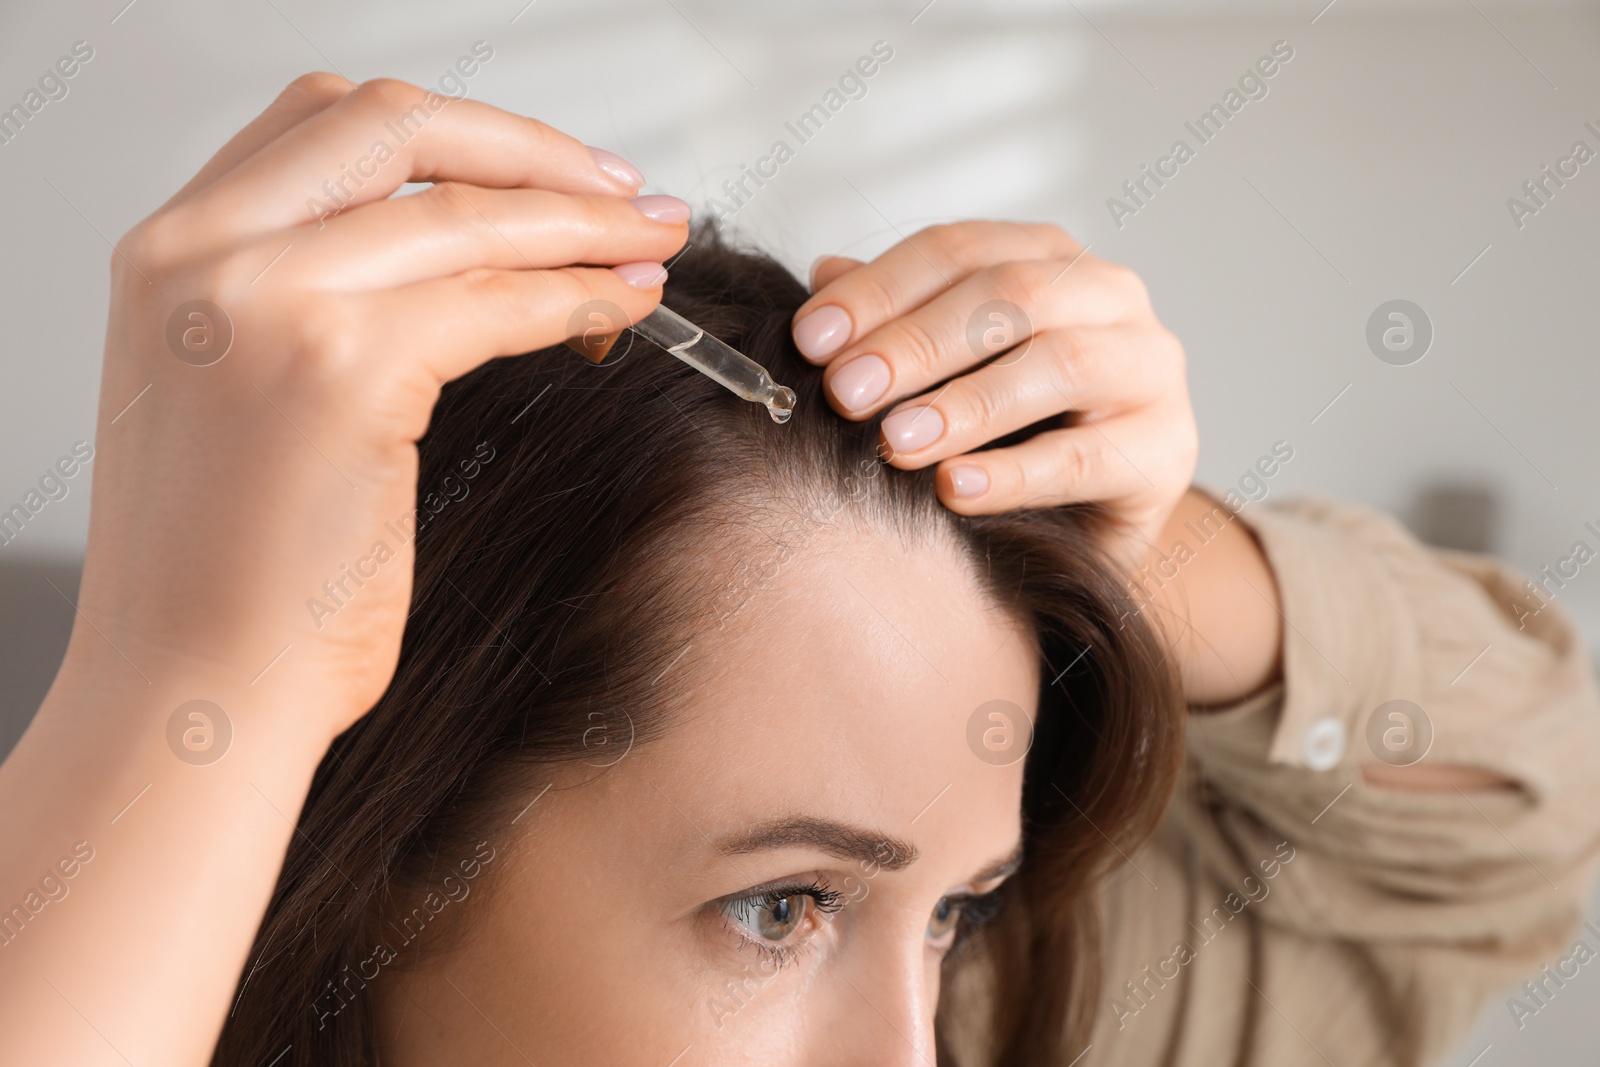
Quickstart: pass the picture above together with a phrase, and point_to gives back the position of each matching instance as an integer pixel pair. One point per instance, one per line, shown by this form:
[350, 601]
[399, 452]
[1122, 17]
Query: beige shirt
[1290, 913]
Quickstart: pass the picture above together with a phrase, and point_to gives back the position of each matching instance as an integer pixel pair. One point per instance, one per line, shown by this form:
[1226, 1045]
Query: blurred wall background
[1374, 165]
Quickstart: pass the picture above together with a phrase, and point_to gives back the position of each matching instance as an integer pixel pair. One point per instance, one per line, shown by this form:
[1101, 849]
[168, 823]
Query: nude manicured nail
[617, 167]
[662, 208]
[913, 428]
[861, 381]
[641, 275]
[823, 332]
[969, 481]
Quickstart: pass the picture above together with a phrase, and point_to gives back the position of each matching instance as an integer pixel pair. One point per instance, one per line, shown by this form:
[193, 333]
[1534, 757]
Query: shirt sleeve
[1395, 652]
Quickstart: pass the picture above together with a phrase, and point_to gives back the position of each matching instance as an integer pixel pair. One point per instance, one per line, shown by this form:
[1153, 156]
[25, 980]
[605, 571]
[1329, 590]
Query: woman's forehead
[855, 672]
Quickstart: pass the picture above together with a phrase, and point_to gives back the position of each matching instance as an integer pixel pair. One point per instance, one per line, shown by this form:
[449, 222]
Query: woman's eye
[956, 916]
[946, 916]
[781, 920]
[771, 918]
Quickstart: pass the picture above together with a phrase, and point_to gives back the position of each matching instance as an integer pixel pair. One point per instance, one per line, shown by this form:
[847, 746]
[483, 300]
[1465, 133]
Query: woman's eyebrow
[825, 835]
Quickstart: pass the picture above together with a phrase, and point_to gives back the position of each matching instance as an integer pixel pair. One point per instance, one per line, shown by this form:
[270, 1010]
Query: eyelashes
[976, 911]
[778, 921]
[781, 905]
[985, 908]
[769, 919]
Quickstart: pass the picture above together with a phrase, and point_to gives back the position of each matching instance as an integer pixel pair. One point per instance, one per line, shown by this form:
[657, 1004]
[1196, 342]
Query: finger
[460, 322]
[910, 273]
[828, 268]
[991, 311]
[386, 133]
[1083, 368]
[1095, 461]
[305, 96]
[452, 227]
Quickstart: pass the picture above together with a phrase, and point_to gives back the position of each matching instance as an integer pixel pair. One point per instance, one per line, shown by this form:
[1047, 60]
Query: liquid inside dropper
[781, 404]
[732, 369]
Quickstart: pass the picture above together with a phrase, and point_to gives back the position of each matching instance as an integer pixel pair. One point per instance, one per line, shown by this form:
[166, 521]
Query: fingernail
[861, 381]
[617, 167]
[913, 428]
[823, 332]
[969, 481]
[662, 208]
[641, 275]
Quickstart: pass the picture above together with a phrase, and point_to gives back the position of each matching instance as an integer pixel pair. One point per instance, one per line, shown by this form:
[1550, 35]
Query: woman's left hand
[918, 327]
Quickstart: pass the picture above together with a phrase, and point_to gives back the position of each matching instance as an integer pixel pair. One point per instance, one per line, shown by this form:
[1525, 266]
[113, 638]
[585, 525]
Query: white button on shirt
[1324, 744]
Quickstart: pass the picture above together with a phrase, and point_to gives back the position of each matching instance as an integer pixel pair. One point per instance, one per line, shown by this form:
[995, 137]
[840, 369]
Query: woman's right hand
[279, 332]
[226, 495]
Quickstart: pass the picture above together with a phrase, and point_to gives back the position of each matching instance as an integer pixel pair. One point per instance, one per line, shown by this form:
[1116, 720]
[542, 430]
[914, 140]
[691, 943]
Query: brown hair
[563, 506]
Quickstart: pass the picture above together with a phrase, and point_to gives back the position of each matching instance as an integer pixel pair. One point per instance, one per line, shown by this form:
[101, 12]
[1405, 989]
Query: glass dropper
[667, 329]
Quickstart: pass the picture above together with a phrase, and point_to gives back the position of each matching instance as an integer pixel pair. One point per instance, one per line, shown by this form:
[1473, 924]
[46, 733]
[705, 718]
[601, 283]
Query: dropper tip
[781, 405]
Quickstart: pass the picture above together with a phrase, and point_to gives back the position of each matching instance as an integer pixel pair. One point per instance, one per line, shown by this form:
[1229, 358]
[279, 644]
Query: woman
[709, 739]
